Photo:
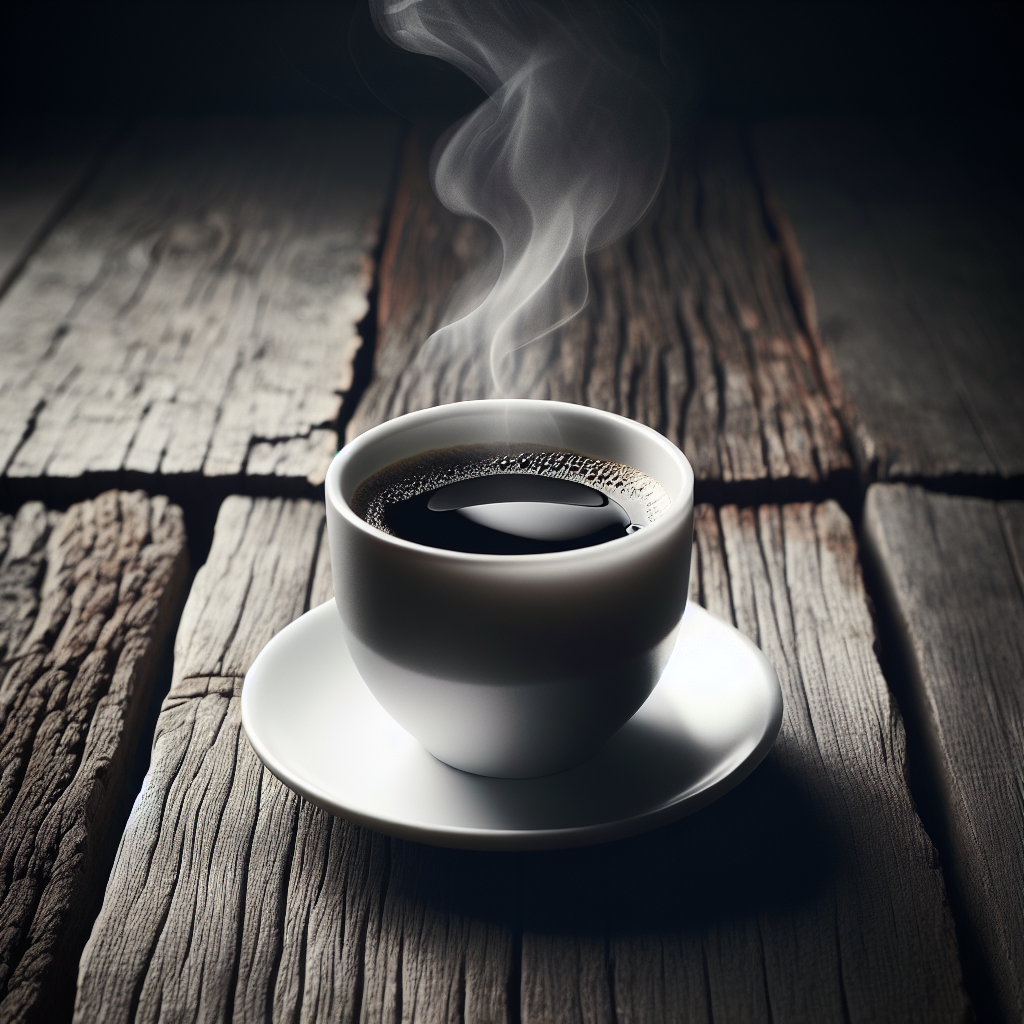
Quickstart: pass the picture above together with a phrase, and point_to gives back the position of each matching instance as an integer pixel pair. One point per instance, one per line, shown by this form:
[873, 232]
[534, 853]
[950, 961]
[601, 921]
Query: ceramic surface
[311, 719]
[511, 666]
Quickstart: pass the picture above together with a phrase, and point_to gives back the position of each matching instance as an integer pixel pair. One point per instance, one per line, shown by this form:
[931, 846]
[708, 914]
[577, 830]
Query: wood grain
[689, 327]
[950, 573]
[811, 893]
[87, 599]
[195, 313]
[909, 263]
[41, 168]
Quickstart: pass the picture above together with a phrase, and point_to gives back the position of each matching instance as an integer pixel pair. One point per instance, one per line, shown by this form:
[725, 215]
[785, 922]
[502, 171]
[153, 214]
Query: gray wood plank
[950, 573]
[910, 266]
[41, 166]
[689, 327]
[810, 893]
[300, 915]
[87, 600]
[195, 313]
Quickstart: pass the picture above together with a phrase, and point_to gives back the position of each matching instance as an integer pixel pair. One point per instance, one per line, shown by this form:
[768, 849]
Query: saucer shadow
[644, 765]
[765, 846]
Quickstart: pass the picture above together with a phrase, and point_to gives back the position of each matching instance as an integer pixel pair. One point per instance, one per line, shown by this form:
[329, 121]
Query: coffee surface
[508, 499]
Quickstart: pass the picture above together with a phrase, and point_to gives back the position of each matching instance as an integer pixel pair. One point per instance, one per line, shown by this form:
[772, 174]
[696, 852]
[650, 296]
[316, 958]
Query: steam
[564, 157]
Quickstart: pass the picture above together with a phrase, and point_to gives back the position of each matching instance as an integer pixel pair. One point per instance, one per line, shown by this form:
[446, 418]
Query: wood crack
[191, 239]
[30, 426]
[899, 259]
[116, 569]
[702, 323]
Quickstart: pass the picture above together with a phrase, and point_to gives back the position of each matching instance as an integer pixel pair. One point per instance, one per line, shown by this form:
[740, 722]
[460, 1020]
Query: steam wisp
[565, 156]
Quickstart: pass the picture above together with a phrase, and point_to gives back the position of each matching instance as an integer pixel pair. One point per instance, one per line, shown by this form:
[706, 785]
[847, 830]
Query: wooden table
[826, 317]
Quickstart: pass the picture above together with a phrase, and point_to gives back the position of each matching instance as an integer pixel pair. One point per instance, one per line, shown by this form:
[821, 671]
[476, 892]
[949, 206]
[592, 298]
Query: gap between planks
[751, 496]
[819, 899]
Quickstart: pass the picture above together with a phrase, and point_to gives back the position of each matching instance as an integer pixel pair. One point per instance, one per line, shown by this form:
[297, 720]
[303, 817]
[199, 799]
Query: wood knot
[186, 240]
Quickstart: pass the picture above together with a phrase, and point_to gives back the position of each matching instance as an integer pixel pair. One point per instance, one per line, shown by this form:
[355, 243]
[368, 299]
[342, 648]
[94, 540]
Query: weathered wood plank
[87, 600]
[41, 165]
[810, 893]
[196, 312]
[689, 327]
[950, 573]
[910, 266]
[231, 895]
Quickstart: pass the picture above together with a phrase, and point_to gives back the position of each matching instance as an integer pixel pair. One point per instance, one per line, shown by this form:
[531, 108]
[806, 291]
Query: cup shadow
[765, 846]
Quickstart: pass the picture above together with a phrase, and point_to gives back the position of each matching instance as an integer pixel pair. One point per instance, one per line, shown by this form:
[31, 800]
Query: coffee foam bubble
[643, 497]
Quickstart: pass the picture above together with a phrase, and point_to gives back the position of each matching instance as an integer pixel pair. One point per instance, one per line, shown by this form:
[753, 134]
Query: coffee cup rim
[681, 504]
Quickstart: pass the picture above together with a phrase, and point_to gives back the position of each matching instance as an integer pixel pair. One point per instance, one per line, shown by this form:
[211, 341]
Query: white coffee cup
[511, 665]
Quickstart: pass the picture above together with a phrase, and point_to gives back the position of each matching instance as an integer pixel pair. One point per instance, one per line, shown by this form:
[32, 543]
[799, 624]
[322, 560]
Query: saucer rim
[511, 840]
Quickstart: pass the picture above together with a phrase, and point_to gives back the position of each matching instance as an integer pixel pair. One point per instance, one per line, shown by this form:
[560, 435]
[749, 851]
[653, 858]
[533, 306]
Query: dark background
[748, 59]
[955, 69]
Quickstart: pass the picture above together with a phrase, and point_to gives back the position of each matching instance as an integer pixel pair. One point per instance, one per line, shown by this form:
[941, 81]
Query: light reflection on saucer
[708, 723]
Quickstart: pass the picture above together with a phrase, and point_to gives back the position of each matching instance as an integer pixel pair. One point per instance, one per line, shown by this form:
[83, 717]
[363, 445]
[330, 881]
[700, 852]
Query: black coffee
[508, 500]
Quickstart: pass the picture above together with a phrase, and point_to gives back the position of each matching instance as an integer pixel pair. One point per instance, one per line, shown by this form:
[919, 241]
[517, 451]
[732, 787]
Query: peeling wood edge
[58, 997]
[199, 497]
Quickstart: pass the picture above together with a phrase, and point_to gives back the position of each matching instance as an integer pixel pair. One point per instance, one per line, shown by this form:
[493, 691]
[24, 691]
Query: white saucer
[315, 725]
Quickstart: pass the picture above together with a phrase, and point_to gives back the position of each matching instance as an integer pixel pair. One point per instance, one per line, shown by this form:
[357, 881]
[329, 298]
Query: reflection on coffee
[508, 499]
